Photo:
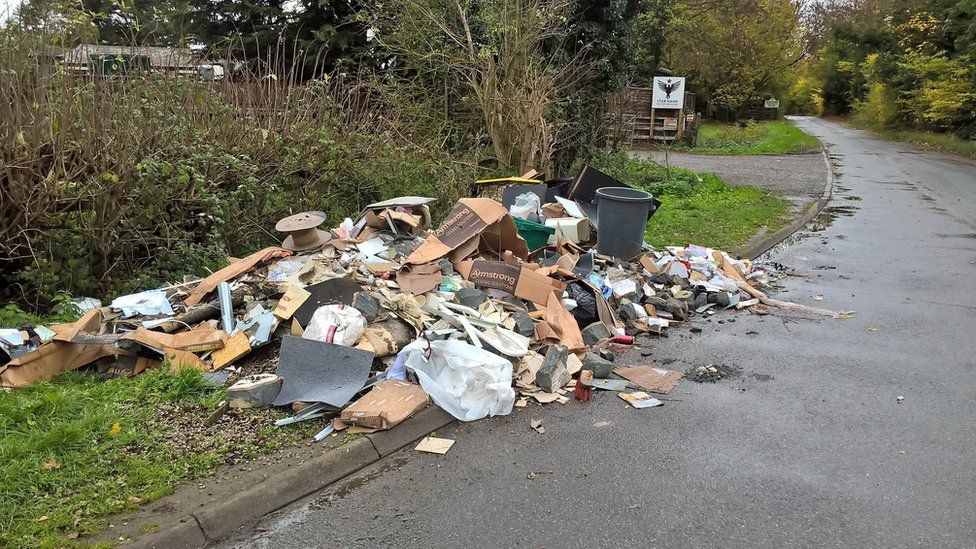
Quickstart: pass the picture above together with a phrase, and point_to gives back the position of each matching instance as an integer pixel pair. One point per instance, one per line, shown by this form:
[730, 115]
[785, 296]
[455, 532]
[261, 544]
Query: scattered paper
[434, 445]
[656, 380]
[640, 399]
[537, 425]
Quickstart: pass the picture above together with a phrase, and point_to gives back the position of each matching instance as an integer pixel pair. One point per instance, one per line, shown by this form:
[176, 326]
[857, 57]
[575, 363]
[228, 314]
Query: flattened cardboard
[521, 281]
[180, 360]
[434, 445]
[234, 348]
[233, 270]
[89, 323]
[419, 279]
[126, 366]
[290, 302]
[649, 264]
[473, 224]
[559, 325]
[196, 340]
[386, 405]
[655, 380]
[50, 360]
[315, 371]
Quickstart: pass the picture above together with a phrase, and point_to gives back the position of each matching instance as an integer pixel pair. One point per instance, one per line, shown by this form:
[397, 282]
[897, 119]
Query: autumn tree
[734, 50]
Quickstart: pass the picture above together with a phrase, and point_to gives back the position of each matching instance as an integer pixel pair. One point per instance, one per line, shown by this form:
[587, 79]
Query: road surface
[810, 446]
[799, 178]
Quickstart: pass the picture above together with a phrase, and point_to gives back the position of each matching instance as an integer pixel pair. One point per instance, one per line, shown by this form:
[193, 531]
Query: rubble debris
[601, 367]
[385, 315]
[536, 424]
[366, 304]
[711, 373]
[233, 270]
[553, 374]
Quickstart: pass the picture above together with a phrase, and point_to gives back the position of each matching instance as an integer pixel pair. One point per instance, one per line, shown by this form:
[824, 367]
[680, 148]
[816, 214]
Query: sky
[7, 6]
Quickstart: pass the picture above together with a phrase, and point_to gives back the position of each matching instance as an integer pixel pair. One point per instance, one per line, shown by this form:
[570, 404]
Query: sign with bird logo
[669, 92]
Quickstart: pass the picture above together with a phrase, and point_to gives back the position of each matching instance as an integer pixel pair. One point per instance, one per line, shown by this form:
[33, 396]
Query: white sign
[771, 103]
[669, 92]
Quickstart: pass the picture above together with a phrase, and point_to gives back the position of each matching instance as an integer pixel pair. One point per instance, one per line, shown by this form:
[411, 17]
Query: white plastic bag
[526, 206]
[336, 324]
[470, 383]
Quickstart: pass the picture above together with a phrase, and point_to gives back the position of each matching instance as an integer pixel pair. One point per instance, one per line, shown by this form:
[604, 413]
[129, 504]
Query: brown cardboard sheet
[233, 270]
[521, 281]
[474, 224]
[386, 405]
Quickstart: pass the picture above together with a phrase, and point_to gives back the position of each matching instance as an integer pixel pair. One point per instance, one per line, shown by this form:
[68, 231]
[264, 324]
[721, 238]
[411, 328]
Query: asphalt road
[799, 178]
[808, 447]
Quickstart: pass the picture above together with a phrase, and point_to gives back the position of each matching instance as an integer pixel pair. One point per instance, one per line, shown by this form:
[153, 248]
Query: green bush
[112, 186]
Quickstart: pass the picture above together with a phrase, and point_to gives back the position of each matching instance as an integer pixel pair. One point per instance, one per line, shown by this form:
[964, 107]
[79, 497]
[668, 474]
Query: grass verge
[698, 208]
[78, 449]
[945, 142]
[766, 137]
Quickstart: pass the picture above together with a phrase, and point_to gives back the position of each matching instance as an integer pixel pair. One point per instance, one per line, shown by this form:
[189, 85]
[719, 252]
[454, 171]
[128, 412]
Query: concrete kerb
[220, 519]
[815, 208]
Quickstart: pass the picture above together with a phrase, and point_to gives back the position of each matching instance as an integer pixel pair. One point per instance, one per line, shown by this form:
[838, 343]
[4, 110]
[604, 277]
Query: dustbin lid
[624, 194]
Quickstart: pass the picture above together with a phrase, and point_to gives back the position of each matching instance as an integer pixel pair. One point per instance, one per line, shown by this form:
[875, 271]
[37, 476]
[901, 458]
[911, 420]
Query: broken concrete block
[254, 391]
[601, 367]
[524, 324]
[553, 374]
[595, 333]
[366, 304]
[626, 311]
[471, 297]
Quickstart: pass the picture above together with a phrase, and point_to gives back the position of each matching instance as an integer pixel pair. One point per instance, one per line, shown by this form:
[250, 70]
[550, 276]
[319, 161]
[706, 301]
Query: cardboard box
[521, 281]
[474, 224]
[387, 404]
[571, 228]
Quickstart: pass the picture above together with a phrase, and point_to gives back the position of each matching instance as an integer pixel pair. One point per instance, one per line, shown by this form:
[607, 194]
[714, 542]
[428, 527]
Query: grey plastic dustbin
[622, 212]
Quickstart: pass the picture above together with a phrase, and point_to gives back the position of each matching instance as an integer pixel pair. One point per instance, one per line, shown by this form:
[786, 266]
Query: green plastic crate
[536, 235]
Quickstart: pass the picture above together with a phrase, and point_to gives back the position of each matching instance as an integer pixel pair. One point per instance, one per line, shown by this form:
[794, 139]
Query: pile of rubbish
[505, 302]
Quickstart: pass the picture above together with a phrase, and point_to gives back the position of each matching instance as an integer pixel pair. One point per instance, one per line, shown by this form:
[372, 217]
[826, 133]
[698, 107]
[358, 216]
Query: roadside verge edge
[815, 208]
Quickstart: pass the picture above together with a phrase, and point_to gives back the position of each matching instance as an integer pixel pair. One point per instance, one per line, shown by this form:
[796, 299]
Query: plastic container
[622, 213]
[536, 235]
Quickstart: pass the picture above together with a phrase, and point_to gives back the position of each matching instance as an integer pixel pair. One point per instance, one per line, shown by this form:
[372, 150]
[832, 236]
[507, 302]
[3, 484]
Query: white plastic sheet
[468, 382]
[526, 206]
[336, 324]
[148, 303]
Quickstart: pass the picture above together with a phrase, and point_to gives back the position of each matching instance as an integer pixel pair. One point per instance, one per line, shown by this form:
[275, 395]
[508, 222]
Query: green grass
[945, 142]
[78, 449]
[698, 208]
[766, 137]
